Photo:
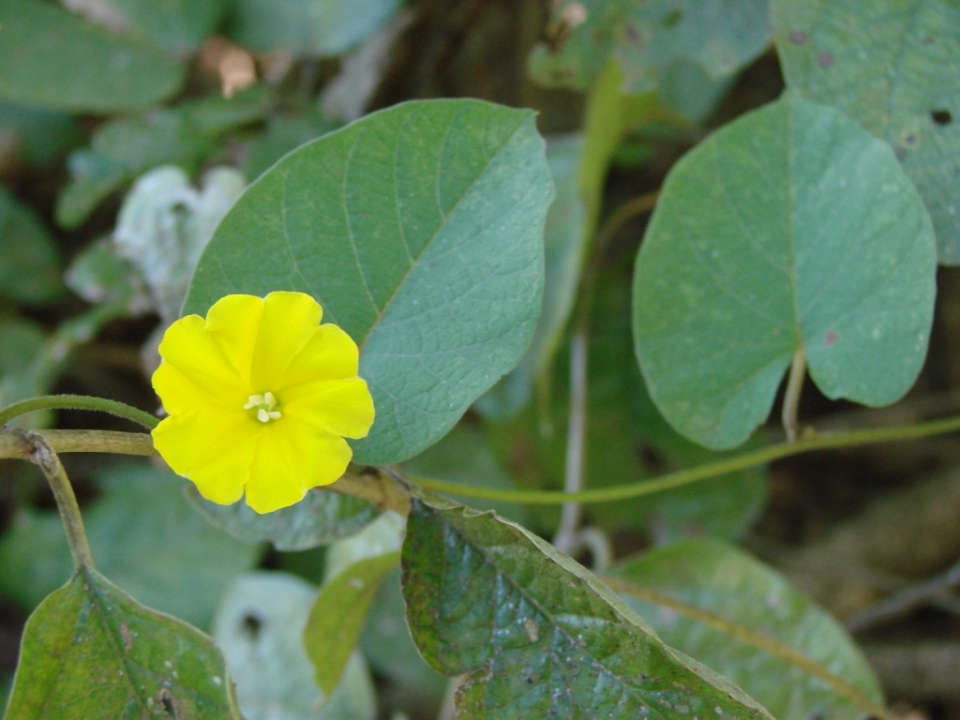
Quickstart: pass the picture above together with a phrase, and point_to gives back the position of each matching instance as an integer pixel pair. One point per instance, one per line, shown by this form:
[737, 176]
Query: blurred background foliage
[127, 130]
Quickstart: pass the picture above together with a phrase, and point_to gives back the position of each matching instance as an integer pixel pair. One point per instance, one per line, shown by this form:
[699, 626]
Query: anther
[264, 405]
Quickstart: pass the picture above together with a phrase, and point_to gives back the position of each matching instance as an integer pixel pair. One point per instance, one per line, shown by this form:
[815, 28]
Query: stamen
[264, 405]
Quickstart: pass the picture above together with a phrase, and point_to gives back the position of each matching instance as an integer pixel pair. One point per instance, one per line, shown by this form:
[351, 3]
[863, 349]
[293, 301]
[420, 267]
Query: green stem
[39, 452]
[702, 472]
[77, 402]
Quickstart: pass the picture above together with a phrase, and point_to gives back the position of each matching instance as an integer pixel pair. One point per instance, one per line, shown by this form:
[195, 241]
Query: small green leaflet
[789, 229]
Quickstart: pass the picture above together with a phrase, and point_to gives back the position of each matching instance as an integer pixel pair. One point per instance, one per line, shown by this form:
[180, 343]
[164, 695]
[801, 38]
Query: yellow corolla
[259, 397]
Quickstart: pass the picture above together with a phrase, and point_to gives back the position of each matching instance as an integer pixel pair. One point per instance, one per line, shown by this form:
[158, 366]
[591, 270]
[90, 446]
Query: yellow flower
[260, 397]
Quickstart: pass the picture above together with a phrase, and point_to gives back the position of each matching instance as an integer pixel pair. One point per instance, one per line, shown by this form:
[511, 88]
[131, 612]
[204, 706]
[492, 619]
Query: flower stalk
[37, 450]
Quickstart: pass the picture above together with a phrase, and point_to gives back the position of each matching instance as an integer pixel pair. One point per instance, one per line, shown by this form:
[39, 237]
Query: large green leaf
[321, 518]
[54, 60]
[790, 229]
[890, 64]
[419, 229]
[143, 534]
[742, 619]
[29, 271]
[309, 27]
[538, 635]
[646, 37]
[91, 651]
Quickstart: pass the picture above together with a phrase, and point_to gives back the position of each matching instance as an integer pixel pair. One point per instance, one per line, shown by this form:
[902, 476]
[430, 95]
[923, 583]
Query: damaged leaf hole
[251, 624]
[941, 117]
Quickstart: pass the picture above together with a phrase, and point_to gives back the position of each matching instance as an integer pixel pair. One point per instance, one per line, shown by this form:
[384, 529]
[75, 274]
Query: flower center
[264, 405]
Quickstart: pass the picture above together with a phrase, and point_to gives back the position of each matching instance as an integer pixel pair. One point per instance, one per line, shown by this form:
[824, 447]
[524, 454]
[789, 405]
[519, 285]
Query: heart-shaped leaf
[737, 616]
[419, 229]
[537, 634]
[891, 65]
[90, 650]
[790, 229]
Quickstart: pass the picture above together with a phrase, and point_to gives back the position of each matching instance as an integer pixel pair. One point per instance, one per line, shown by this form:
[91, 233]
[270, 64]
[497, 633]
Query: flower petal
[330, 354]
[323, 457]
[180, 394]
[191, 350]
[289, 321]
[340, 407]
[213, 449]
[234, 322]
[276, 477]
[291, 459]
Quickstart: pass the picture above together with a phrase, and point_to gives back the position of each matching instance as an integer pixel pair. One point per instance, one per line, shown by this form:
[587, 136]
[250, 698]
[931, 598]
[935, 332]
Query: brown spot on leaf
[170, 704]
[830, 338]
[825, 59]
[126, 637]
[798, 36]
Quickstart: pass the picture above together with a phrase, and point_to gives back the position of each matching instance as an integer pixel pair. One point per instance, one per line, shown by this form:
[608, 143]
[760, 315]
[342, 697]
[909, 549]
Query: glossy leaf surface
[419, 229]
[790, 229]
[537, 634]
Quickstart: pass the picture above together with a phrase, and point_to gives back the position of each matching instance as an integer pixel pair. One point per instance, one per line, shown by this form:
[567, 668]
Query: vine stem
[127, 443]
[791, 397]
[77, 402]
[701, 472]
[36, 449]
